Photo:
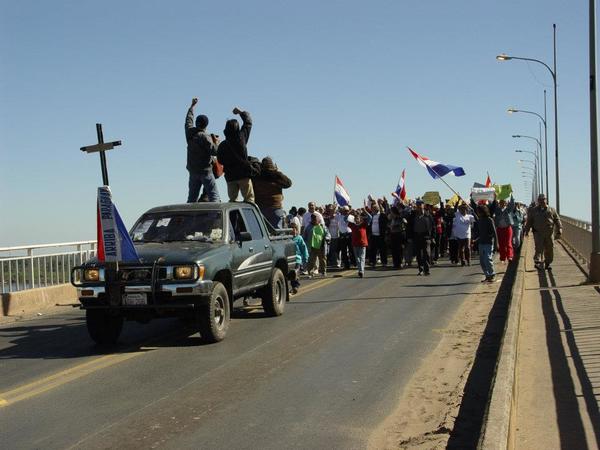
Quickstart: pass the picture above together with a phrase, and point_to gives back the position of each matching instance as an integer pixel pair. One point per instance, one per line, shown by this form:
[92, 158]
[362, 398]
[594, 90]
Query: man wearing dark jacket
[420, 231]
[268, 187]
[201, 147]
[233, 154]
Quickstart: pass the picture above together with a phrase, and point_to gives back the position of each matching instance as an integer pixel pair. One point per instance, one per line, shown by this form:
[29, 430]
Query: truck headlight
[184, 272]
[91, 275]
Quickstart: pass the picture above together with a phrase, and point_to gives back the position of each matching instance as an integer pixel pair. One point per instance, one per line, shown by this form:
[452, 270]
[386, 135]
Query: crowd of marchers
[332, 236]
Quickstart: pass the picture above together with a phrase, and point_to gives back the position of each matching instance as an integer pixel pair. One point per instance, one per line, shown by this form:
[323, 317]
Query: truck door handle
[266, 245]
[251, 249]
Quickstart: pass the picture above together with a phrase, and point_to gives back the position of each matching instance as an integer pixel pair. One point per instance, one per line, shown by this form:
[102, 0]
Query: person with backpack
[201, 147]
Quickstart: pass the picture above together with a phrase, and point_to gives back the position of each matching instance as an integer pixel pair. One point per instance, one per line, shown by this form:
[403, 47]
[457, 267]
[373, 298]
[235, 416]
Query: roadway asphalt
[323, 375]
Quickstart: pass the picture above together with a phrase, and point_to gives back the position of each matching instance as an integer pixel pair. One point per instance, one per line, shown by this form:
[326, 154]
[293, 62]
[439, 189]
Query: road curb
[495, 432]
[16, 305]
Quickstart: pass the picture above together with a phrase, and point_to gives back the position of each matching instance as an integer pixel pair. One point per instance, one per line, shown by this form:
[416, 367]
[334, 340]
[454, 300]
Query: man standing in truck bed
[201, 147]
[233, 154]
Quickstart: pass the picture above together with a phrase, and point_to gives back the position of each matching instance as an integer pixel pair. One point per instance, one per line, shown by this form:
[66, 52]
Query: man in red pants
[503, 218]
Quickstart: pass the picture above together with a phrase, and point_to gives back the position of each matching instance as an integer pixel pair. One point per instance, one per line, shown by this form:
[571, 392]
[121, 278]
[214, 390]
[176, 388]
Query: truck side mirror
[244, 236]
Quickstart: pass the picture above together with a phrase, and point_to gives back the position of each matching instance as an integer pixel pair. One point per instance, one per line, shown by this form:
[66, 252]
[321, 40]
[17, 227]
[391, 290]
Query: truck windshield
[205, 226]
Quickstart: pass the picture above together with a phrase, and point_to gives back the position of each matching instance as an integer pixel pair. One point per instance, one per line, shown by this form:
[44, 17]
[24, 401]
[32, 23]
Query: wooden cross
[101, 147]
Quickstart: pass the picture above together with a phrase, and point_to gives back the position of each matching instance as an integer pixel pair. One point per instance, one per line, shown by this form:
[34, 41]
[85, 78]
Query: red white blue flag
[114, 243]
[436, 169]
[401, 188]
[341, 195]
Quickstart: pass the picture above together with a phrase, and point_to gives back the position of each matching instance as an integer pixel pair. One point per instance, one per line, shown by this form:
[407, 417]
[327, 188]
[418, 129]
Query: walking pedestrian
[358, 223]
[487, 242]
[332, 223]
[233, 154]
[518, 221]
[201, 147]
[301, 258]
[546, 226]
[316, 236]
[345, 239]
[461, 228]
[379, 226]
[397, 227]
[420, 233]
[503, 219]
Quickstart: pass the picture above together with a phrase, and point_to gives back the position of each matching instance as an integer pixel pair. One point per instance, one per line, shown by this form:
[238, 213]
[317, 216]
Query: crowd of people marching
[378, 234]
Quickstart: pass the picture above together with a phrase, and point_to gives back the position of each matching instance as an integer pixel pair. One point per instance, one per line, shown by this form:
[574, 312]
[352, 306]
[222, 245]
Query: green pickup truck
[196, 259]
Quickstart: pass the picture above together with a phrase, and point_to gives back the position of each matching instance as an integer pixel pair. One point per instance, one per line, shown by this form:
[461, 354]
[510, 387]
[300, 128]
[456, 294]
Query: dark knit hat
[201, 121]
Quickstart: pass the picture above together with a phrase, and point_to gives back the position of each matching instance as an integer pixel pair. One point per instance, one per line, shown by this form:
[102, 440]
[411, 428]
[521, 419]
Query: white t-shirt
[461, 227]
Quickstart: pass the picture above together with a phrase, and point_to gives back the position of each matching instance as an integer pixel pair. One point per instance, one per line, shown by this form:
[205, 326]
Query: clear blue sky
[334, 87]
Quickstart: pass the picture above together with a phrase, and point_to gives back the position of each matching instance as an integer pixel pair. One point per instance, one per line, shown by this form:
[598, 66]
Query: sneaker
[491, 279]
[294, 291]
[420, 272]
[462, 263]
[548, 268]
[360, 274]
[427, 274]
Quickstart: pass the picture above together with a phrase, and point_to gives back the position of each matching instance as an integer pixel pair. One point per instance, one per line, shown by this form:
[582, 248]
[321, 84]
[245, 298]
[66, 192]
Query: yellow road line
[321, 283]
[63, 377]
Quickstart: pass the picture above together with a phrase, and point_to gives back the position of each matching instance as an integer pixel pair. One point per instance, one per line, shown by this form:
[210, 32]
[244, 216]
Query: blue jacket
[301, 250]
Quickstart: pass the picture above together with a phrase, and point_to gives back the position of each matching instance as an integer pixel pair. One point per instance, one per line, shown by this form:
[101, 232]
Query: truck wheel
[103, 326]
[213, 318]
[274, 295]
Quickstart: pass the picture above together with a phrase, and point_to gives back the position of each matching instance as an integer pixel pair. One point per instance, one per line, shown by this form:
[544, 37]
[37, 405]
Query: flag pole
[334, 185]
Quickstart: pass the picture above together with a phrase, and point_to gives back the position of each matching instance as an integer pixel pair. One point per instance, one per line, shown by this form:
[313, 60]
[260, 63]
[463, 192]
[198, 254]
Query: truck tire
[213, 318]
[104, 327]
[274, 295]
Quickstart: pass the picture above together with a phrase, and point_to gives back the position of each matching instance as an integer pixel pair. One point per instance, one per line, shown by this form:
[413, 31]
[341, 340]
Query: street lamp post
[533, 176]
[504, 57]
[594, 273]
[537, 159]
[539, 147]
[543, 119]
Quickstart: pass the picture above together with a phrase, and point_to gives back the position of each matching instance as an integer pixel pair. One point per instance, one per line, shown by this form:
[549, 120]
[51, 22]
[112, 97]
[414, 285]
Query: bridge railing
[32, 266]
[577, 234]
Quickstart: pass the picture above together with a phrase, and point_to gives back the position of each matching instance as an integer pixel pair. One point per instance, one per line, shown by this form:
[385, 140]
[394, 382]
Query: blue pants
[275, 216]
[517, 236]
[360, 253]
[206, 179]
[486, 259]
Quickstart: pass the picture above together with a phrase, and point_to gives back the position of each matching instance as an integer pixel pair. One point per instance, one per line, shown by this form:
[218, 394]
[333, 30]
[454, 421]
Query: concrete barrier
[31, 301]
[495, 433]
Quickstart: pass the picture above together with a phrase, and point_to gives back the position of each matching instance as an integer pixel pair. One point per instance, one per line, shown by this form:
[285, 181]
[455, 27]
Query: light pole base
[594, 274]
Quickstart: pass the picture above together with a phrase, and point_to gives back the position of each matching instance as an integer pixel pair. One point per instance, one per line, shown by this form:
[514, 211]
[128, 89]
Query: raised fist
[194, 101]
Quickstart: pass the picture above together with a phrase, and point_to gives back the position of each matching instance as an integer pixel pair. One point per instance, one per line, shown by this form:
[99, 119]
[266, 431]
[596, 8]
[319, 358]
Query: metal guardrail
[21, 269]
[577, 234]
